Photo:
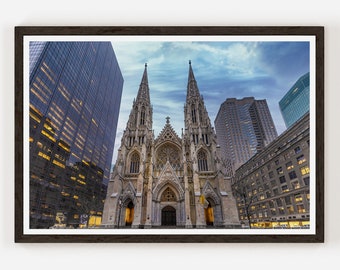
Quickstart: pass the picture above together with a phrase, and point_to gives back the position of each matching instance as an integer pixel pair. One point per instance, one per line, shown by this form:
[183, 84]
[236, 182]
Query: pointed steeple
[141, 113]
[192, 88]
[143, 92]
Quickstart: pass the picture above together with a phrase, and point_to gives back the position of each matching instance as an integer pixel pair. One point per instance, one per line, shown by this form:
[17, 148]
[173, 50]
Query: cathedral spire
[143, 92]
[192, 89]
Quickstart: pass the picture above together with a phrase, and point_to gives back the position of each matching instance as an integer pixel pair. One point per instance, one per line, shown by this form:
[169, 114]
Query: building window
[297, 150]
[131, 139]
[205, 138]
[282, 179]
[200, 113]
[289, 165]
[288, 200]
[195, 138]
[298, 198]
[134, 164]
[306, 180]
[301, 208]
[140, 140]
[279, 170]
[292, 175]
[304, 170]
[273, 183]
[279, 202]
[301, 159]
[290, 210]
[285, 188]
[281, 211]
[193, 113]
[295, 184]
[202, 161]
[142, 116]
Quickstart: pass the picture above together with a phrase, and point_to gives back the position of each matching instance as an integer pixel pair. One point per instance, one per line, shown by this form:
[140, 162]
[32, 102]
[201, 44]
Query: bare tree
[246, 200]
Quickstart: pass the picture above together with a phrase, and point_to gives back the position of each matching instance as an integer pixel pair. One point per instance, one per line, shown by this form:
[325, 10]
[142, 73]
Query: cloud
[265, 70]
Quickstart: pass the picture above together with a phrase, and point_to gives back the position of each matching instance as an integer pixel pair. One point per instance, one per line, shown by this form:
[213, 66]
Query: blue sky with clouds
[235, 69]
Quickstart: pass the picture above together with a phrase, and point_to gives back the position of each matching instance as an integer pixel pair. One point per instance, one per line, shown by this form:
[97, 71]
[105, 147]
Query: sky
[231, 69]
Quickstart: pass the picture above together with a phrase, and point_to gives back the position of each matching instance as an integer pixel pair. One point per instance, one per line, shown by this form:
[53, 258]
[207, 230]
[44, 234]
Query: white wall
[173, 13]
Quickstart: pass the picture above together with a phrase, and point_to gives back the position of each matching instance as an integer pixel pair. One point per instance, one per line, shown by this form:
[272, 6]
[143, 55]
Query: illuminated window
[304, 170]
[290, 209]
[279, 170]
[289, 165]
[298, 198]
[301, 208]
[296, 184]
[301, 159]
[41, 154]
[285, 188]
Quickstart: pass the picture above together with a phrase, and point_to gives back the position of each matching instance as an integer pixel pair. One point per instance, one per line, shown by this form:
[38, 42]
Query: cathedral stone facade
[169, 181]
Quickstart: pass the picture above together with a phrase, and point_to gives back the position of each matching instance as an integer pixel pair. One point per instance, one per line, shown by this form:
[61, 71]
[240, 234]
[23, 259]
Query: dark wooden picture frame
[219, 237]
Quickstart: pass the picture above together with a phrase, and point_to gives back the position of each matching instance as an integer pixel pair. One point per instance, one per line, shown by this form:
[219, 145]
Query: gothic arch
[173, 185]
[210, 194]
[134, 162]
[202, 160]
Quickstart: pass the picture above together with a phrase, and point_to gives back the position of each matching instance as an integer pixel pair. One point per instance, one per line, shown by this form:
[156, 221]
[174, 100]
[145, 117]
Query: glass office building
[75, 94]
[295, 103]
[243, 128]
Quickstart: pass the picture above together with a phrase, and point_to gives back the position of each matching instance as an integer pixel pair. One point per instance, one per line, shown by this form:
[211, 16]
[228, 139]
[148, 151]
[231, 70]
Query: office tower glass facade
[295, 103]
[75, 93]
[243, 127]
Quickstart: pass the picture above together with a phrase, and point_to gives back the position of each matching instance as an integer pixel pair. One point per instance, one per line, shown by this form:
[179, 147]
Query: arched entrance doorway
[168, 216]
[129, 211]
[209, 215]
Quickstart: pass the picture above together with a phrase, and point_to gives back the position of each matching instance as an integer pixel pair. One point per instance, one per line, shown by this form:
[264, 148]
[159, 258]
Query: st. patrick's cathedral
[169, 181]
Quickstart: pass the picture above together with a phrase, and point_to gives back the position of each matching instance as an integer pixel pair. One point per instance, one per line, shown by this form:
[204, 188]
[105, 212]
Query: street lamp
[119, 212]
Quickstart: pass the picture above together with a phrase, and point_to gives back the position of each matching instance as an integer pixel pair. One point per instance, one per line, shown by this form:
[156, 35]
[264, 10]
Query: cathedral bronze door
[209, 215]
[129, 212]
[168, 216]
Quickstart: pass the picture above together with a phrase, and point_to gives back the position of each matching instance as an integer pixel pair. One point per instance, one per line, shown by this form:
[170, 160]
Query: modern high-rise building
[243, 127]
[169, 180]
[295, 102]
[74, 96]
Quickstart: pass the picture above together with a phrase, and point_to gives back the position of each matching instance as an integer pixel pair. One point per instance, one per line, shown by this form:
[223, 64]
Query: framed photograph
[169, 134]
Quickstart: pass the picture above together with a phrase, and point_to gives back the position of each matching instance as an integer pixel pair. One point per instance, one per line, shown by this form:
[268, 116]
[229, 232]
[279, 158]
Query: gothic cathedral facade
[169, 181]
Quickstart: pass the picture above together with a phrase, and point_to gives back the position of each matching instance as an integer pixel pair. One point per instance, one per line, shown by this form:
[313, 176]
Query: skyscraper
[75, 93]
[243, 127]
[295, 103]
[169, 180]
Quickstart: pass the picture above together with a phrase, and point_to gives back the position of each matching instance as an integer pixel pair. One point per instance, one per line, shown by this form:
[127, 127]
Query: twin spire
[144, 92]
